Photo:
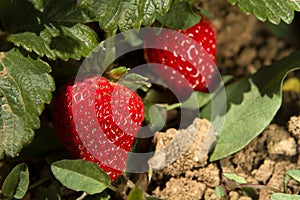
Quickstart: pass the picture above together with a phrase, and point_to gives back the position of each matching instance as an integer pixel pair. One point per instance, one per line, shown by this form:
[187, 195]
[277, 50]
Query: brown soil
[263, 162]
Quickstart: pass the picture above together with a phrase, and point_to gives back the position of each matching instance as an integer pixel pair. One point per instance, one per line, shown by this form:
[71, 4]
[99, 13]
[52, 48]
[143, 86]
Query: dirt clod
[294, 126]
[210, 194]
[208, 175]
[264, 172]
[178, 151]
[280, 141]
[181, 189]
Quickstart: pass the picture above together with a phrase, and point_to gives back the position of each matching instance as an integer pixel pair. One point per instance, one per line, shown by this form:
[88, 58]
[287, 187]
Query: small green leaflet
[125, 14]
[136, 194]
[252, 102]
[25, 85]
[80, 175]
[272, 10]
[58, 41]
[219, 191]
[235, 177]
[17, 182]
[295, 174]
[281, 196]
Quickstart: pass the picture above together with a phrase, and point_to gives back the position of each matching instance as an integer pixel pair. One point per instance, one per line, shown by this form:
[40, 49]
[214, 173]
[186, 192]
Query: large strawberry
[188, 57]
[97, 121]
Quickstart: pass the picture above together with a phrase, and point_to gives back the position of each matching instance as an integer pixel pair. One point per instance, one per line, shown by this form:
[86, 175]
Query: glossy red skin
[97, 121]
[186, 61]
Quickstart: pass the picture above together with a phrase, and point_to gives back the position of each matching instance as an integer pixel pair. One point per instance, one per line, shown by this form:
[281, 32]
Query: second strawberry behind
[188, 57]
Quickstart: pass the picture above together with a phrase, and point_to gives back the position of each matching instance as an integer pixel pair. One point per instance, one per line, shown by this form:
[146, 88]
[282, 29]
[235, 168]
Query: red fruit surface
[189, 54]
[97, 121]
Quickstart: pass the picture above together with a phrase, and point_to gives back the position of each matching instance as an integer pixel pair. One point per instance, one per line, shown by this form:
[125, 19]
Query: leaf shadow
[268, 82]
[18, 16]
[235, 93]
[64, 44]
[21, 16]
[232, 94]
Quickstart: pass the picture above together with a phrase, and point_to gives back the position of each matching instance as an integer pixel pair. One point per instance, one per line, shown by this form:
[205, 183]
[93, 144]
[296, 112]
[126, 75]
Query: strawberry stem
[173, 106]
[113, 188]
[39, 182]
[84, 194]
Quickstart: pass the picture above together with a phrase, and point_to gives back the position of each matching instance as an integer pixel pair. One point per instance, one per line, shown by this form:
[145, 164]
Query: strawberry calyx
[116, 73]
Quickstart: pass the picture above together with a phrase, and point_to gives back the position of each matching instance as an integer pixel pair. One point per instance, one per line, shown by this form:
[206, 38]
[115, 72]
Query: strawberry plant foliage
[125, 14]
[17, 16]
[179, 16]
[17, 182]
[273, 11]
[52, 29]
[293, 173]
[92, 179]
[25, 86]
[58, 41]
[281, 196]
[252, 102]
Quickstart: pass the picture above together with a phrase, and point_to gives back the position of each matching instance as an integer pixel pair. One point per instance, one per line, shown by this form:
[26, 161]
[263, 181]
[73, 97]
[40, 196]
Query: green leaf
[134, 81]
[272, 10]
[295, 174]
[136, 194]
[179, 16]
[252, 103]
[133, 38]
[63, 12]
[25, 85]
[16, 15]
[279, 30]
[202, 98]
[281, 196]
[58, 41]
[19, 16]
[235, 177]
[51, 28]
[37, 4]
[17, 181]
[80, 175]
[287, 178]
[125, 14]
[219, 191]
[156, 116]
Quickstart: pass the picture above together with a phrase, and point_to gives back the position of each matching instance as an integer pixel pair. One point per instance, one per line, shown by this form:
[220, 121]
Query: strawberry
[189, 57]
[97, 121]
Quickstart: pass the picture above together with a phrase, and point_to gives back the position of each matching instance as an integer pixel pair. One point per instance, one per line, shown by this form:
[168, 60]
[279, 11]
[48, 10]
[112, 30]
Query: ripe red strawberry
[97, 121]
[190, 56]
